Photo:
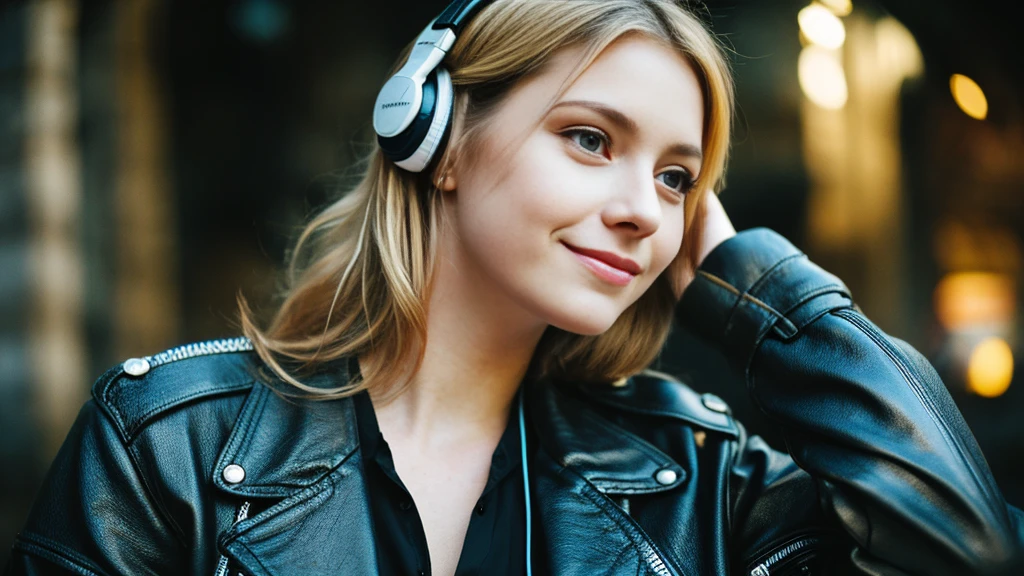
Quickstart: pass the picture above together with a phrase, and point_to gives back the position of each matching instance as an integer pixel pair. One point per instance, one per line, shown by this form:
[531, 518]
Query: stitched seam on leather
[804, 298]
[744, 296]
[250, 416]
[232, 387]
[238, 531]
[250, 429]
[638, 407]
[179, 534]
[719, 282]
[652, 452]
[130, 432]
[916, 387]
[644, 446]
[55, 552]
[104, 398]
[772, 270]
[253, 557]
[147, 491]
[632, 529]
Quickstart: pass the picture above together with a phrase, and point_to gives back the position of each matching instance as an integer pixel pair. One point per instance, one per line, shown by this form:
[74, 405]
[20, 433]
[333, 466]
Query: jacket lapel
[586, 467]
[304, 455]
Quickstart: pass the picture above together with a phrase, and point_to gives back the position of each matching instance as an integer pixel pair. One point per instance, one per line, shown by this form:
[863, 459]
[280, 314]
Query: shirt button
[405, 505]
[480, 509]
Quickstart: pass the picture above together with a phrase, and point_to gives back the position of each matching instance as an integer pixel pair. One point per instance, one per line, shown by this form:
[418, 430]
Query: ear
[446, 183]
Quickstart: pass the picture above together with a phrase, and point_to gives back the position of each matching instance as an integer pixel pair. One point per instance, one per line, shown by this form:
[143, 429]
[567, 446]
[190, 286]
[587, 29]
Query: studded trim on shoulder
[238, 344]
[134, 393]
[139, 366]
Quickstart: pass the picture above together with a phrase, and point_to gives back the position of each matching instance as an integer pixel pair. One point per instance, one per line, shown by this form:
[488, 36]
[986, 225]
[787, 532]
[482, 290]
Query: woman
[480, 309]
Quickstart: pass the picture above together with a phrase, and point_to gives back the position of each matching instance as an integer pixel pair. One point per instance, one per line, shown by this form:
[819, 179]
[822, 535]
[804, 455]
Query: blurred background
[156, 157]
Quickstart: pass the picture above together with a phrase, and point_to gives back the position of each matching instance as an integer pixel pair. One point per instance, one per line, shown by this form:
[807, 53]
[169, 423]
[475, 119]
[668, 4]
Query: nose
[634, 206]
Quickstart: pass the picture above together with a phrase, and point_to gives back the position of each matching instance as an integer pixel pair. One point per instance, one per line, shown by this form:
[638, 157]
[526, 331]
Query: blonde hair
[359, 276]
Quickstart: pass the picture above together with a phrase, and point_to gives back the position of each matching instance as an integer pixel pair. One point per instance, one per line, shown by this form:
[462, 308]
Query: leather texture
[884, 475]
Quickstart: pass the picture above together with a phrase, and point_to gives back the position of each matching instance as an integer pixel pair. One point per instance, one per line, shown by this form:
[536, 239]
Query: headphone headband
[458, 13]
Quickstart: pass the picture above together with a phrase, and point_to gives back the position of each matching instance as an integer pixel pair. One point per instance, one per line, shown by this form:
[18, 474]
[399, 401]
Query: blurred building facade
[157, 157]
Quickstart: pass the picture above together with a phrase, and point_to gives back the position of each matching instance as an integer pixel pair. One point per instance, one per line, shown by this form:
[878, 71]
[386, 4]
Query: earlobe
[446, 183]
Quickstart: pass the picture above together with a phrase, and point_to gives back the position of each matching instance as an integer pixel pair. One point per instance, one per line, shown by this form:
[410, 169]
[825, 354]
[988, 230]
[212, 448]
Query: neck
[479, 347]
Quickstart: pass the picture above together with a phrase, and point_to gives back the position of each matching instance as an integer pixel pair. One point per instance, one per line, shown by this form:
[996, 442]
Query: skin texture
[506, 273]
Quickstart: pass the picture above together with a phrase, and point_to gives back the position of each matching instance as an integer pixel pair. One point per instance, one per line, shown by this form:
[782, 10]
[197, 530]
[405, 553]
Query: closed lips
[613, 260]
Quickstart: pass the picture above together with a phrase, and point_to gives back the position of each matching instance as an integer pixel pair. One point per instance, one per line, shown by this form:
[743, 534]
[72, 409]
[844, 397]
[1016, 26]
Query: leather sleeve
[890, 459]
[94, 514]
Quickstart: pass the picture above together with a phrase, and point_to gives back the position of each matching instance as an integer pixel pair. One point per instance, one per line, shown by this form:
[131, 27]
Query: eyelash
[688, 180]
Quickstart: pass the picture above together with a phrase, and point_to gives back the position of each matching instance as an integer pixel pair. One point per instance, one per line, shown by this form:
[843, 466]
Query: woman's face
[575, 219]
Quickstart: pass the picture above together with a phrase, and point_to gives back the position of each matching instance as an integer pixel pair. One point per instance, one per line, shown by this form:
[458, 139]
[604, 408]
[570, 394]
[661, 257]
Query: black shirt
[495, 541]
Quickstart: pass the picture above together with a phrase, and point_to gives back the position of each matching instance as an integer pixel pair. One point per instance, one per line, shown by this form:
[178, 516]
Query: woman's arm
[94, 514]
[863, 413]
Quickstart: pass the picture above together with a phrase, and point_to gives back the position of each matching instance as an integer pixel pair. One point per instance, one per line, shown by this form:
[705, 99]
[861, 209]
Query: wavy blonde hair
[359, 276]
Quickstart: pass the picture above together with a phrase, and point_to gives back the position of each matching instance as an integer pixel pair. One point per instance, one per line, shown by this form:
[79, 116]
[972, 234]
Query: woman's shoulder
[139, 391]
[653, 393]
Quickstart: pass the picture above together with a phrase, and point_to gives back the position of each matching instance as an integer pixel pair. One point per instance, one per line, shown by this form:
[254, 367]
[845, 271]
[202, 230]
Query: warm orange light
[821, 26]
[990, 369]
[964, 299]
[969, 96]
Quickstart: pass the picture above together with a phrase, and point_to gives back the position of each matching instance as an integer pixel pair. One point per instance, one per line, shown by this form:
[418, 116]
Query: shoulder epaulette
[137, 390]
[653, 393]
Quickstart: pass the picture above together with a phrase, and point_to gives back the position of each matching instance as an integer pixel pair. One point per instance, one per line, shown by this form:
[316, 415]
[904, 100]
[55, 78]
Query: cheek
[537, 187]
[668, 245]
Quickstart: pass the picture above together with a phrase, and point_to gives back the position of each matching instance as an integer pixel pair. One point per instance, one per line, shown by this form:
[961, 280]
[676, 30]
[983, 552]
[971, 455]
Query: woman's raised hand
[717, 229]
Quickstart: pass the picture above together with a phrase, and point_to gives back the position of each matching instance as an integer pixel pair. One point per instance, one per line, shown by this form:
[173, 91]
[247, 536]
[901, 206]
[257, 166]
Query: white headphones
[412, 114]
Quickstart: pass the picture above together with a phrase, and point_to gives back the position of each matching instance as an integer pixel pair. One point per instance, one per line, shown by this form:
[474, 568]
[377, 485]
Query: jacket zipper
[222, 565]
[765, 568]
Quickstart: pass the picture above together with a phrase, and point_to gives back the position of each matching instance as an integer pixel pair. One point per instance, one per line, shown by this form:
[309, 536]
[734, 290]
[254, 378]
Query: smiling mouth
[606, 266]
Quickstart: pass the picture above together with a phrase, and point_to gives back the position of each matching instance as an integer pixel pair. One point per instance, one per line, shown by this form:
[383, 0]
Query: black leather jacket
[884, 478]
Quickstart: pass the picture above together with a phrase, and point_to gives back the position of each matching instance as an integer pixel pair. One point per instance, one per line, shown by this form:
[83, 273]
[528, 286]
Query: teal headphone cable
[526, 483]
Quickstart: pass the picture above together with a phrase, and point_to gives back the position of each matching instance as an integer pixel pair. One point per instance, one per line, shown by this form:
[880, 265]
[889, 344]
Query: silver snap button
[666, 476]
[136, 366]
[233, 474]
[712, 402]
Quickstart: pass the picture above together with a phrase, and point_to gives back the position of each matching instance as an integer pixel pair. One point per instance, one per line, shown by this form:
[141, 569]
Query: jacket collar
[577, 437]
[304, 452]
[285, 444]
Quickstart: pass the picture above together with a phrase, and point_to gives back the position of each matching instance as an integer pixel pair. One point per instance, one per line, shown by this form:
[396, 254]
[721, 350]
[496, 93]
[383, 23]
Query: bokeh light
[965, 299]
[821, 77]
[990, 368]
[821, 26]
[838, 7]
[969, 96]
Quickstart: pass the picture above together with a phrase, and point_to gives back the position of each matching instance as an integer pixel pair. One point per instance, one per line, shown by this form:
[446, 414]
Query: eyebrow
[628, 124]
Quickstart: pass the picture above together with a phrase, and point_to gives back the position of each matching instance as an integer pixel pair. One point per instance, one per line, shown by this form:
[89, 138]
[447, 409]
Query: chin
[585, 320]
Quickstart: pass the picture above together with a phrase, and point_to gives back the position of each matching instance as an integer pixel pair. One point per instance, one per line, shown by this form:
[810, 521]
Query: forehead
[644, 79]
[629, 65]
[650, 83]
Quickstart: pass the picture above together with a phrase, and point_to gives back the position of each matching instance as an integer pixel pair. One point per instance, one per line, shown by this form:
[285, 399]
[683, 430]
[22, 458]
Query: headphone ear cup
[414, 148]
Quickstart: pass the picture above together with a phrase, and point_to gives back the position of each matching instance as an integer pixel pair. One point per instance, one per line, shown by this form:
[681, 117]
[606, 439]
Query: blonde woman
[455, 380]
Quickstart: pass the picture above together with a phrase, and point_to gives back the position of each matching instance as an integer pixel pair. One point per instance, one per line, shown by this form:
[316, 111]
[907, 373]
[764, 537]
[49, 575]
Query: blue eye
[678, 180]
[589, 140]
